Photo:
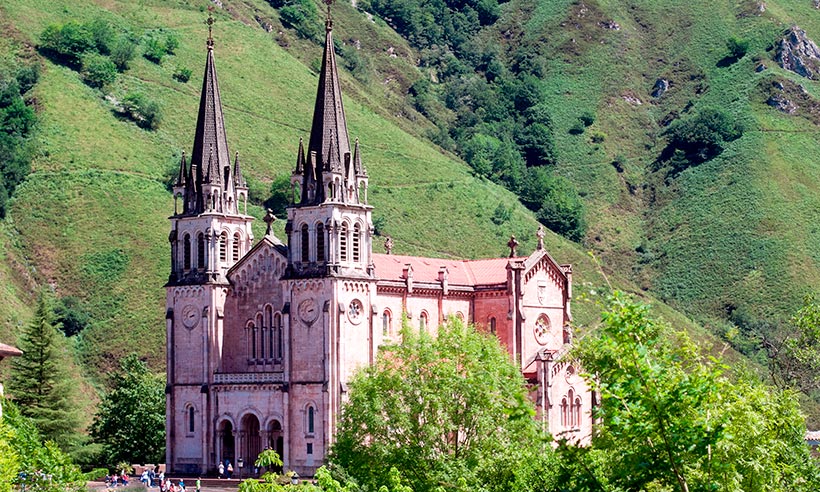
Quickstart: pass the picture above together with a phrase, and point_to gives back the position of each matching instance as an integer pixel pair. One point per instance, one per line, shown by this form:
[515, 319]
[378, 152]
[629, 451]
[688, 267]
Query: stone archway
[251, 442]
[276, 441]
[225, 439]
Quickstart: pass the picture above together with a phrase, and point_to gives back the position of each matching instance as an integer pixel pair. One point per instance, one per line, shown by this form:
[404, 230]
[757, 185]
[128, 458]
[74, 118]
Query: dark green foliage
[182, 74]
[794, 352]
[45, 466]
[102, 34]
[405, 411]
[587, 118]
[737, 47]
[17, 122]
[40, 383]
[280, 195]
[300, 15]
[68, 42]
[130, 421]
[556, 203]
[671, 419]
[142, 109]
[697, 138]
[171, 43]
[98, 71]
[154, 50]
[123, 51]
[71, 316]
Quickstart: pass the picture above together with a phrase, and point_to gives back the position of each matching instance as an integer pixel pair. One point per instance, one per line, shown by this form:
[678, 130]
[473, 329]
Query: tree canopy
[39, 381]
[673, 419]
[130, 421]
[441, 409]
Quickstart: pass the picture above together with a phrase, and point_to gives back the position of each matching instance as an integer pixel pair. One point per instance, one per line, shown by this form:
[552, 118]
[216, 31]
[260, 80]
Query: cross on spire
[329, 21]
[210, 23]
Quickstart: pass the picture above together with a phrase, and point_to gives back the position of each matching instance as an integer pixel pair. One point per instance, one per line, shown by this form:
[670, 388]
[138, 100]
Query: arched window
[493, 328]
[320, 242]
[251, 333]
[200, 250]
[305, 244]
[223, 247]
[343, 243]
[276, 339]
[386, 322]
[423, 321]
[257, 330]
[267, 334]
[564, 419]
[186, 252]
[310, 419]
[235, 246]
[357, 233]
[570, 401]
[191, 420]
[576, 414]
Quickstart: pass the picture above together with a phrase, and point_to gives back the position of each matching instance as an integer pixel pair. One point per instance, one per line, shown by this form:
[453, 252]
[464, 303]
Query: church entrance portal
[226, 443]
[251, 442]
[276, 441]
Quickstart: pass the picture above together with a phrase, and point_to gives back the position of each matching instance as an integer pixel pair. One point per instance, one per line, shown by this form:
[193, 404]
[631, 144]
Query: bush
[154, 50]
[67, 43]
[577, 128]
[280, 195]
[171, 43]
[102, 34]
[556, 203]
[123, 52]
[698, 138]
[737, 47]
[587, 118]
[71, 315]
[98, 71]
[302, 16]
[145, 111]
[182, 74]
[597, 137]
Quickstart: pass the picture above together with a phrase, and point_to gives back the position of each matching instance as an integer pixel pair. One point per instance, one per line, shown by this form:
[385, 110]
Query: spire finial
[269, 219]
[512, 244]
[329, 20]
[388, 245]
[210, 23]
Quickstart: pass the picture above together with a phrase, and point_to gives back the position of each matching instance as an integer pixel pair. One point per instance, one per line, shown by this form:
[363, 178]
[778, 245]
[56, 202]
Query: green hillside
[735, 235]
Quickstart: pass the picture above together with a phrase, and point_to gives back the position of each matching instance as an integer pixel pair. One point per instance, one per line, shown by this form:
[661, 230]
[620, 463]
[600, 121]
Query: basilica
[264, 334]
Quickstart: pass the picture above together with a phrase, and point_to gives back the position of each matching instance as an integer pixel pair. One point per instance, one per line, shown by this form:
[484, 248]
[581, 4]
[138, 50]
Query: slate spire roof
[210, 137]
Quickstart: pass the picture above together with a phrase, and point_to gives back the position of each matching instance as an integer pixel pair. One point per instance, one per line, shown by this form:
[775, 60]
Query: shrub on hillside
[182, 74]
[556, 203]
[737, 47]
[154, 50]
[102, 35]
[699, 137]
[142, 109]
[123, 52]
[98, 71]
[67, 43]
[17, 121]
[302, 16]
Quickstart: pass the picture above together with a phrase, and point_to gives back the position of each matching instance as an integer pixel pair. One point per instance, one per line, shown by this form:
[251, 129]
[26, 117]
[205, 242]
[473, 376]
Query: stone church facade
[263, 336]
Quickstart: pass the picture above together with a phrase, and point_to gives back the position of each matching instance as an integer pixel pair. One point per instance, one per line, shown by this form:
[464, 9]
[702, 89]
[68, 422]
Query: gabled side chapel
[263, 336]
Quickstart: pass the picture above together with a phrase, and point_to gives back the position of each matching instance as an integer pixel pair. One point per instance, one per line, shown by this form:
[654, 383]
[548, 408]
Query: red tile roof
[460, 272]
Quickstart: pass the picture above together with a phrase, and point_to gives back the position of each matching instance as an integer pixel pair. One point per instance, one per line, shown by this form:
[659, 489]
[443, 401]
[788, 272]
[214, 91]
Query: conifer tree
[39, 382]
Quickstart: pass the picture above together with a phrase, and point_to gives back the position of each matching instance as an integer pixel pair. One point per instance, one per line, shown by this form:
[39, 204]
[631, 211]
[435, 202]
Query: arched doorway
[251, 442]
[276, 441]
[227, 452]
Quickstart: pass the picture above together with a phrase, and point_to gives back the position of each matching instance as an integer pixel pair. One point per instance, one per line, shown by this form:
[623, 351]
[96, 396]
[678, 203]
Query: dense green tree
[130, 421]
[98, 71]
[794, 352]
[281, 195]
[123, 51]
[45, 467]
[440, 409]
[141, 108]
[67, 42]
[672, 419]
[39, 382]
[699, 137]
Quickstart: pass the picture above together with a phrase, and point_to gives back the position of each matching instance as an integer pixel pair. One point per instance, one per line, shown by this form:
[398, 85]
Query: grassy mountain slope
[92, 217]
[737, 232]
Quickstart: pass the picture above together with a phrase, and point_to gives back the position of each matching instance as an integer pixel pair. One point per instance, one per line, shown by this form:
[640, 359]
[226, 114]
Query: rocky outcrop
[660, 88]
[799, 54]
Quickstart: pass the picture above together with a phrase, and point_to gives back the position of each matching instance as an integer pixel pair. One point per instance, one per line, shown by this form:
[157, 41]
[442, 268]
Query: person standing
[221, 469]
[230, 470]
[198, 484]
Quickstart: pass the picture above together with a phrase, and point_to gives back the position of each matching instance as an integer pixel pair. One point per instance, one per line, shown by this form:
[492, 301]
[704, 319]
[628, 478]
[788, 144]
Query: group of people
[224, 468]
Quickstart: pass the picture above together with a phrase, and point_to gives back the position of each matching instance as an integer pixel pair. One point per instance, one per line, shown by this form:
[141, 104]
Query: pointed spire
[183, 172]
[328, 111]
[332, 162]
[238, 179]
[357, 161]
[300, 158]
[210, 153]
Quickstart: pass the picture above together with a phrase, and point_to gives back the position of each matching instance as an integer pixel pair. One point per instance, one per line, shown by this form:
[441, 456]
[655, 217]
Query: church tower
[329, 227]
[210, 232]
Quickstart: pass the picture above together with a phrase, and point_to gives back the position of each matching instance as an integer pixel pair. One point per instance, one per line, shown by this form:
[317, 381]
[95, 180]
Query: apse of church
[264, 335]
